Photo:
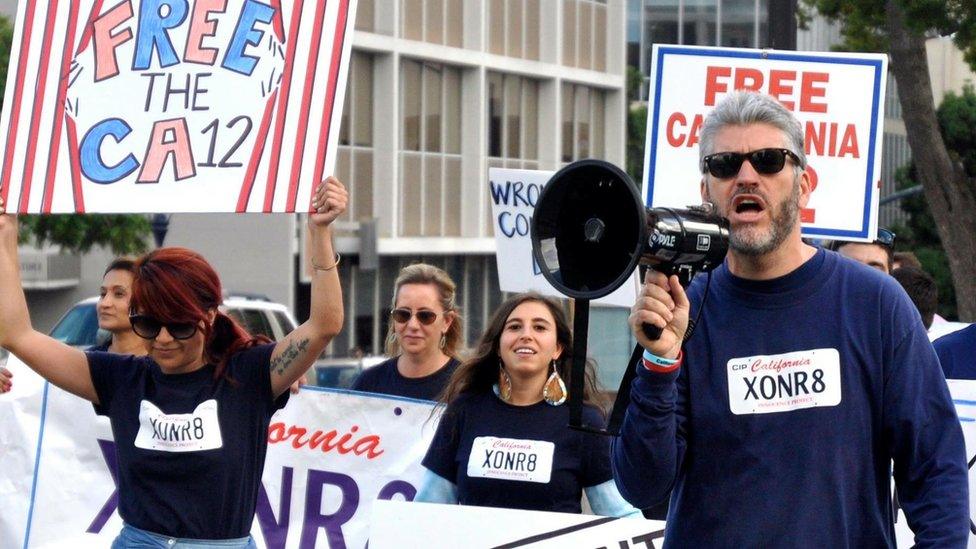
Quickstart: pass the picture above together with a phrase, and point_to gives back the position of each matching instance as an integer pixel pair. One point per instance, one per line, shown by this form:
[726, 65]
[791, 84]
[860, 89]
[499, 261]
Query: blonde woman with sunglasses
[423, 338]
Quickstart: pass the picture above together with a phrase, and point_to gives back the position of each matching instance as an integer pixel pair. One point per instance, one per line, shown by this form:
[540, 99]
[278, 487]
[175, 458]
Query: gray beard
[753, 243]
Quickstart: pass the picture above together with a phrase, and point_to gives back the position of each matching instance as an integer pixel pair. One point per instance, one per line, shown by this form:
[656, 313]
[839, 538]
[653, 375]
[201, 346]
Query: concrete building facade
[438, 92]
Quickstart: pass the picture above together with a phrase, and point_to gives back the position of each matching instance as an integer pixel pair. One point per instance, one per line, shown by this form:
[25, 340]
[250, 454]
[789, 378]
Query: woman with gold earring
[503, 440]
[423, 338]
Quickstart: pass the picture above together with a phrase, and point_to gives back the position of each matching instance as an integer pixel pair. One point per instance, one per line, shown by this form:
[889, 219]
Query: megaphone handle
[651, 331]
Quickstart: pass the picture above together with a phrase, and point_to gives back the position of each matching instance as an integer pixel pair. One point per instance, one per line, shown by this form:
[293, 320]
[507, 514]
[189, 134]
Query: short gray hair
[741, 108]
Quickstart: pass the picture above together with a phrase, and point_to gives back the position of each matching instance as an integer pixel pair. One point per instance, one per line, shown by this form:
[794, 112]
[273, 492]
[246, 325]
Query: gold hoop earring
[554, 391]
[504, 383]
[443, 341]
[392, 339]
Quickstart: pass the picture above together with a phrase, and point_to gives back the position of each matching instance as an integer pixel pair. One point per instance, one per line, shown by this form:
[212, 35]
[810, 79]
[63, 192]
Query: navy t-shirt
[190, 448]
[781, 425]
[103, 348]
[519, 457]
[957, 353]
[384, 378]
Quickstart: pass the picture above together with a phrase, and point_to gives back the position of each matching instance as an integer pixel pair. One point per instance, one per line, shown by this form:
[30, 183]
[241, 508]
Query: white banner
[514, 194]
[964, 397]
[432, 526]
[331, 454]
[837, 97]
[173, 106]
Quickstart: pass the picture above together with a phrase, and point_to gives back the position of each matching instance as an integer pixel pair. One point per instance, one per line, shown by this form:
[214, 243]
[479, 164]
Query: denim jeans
[133, 538]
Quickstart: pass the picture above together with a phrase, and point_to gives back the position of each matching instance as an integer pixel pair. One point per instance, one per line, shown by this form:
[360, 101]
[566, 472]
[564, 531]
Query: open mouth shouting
[746, 208]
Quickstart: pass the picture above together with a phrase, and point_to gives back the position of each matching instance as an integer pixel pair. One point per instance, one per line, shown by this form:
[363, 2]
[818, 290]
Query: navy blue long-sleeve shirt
[780, 428]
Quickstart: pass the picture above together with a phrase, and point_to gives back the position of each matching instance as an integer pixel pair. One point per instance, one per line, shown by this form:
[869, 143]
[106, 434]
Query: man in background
[922, 290]
[957, 353]
[878, 254]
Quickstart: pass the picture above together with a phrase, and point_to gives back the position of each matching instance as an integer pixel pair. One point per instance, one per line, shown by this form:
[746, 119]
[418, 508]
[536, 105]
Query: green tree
[636, 126]
[957, 121]
[636, 136]
[6, 39]
[123, 234]
[899, 28]
[919, 236]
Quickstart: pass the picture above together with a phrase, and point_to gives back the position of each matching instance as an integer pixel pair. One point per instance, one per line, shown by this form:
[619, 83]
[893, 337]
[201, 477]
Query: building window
[354, 161]
[700, 24]
[634, 9]
[434, 21]
[610, 344]
[583, 119]
[740, 23]
[365, 15]
[430, 155]
[513, 121]
[514, 28]
[585, 34]
[735, 23]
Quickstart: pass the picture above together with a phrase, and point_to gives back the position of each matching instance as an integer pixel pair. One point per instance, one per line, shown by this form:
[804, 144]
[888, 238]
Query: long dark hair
[480, 372]
[178, 285]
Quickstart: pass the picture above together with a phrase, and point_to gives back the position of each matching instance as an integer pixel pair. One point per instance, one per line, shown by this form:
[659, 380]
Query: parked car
[258, 314]
[341, 372]
[79, 326]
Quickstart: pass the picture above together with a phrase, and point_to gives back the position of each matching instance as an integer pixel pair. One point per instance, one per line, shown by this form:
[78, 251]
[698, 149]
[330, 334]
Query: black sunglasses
[403, 316]
[148, 327]
[724, 165]
[885, 237]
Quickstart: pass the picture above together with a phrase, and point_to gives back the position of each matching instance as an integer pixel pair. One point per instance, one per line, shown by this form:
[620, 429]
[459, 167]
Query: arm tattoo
[288, 355]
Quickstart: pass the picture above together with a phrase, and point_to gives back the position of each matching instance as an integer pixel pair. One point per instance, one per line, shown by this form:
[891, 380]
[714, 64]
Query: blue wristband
[654, 359]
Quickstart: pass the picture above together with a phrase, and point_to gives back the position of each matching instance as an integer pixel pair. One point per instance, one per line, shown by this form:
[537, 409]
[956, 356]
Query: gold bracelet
[335, 264]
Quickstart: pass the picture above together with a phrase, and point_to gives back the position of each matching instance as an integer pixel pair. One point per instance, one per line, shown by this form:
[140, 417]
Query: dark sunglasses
[403, 316]
[724, 165]
[148, 327]
[885, 237]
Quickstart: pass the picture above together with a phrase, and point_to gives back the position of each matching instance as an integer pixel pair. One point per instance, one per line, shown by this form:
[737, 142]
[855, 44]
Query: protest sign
[330, 454]
[514, 194]
[429, 525]
[837, 97]
[172, 105]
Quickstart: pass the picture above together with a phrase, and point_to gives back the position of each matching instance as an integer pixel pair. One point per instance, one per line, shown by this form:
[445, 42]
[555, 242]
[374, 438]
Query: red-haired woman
[191, 419]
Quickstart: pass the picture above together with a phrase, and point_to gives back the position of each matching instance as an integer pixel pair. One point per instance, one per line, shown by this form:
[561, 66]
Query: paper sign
[171, 105]
[514, 194]
[838, 99]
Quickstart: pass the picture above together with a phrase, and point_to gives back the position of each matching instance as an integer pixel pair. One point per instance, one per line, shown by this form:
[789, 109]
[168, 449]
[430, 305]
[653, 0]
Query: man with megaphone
[776, 423]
